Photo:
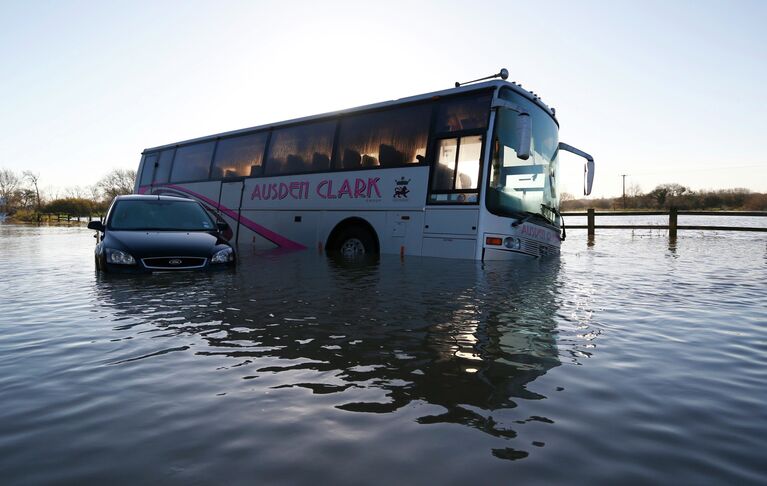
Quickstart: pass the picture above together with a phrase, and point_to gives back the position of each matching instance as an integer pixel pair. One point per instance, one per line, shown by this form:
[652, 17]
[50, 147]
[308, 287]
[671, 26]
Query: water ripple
[638, 357]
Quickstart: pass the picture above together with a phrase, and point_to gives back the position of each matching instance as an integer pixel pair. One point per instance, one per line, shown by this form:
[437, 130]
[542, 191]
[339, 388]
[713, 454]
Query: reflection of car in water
[400, 333]
[160, 233]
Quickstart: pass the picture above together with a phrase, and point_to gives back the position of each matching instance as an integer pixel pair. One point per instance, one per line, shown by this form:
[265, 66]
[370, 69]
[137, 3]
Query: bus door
[230, 204]
[452, 213]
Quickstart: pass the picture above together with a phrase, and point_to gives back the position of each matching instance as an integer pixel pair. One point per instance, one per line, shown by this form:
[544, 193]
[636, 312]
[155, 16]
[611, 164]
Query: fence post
[590, 220]
[672, 223]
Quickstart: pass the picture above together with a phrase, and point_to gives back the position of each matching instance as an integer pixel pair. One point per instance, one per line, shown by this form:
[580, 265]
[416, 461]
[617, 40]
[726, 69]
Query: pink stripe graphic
[270, 235]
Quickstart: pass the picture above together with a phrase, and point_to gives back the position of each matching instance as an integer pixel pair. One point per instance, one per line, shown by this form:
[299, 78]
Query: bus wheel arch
[353, 237]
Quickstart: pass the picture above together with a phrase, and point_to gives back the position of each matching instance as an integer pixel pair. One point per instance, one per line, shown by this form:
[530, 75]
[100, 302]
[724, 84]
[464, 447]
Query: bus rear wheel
[354, 242]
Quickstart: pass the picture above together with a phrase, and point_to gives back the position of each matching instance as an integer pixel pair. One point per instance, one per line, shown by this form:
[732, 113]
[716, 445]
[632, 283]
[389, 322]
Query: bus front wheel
[354, 242]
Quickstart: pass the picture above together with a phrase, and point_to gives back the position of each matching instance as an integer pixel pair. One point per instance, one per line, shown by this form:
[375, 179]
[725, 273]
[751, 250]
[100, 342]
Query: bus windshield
[516, 186]
[159, 215]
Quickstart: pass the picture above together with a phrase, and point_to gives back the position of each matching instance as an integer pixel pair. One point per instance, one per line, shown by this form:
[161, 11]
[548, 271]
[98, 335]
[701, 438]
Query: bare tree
[26, 198]
[634, 190]
[33, 179]
[51, 192]
[9, 184]
[116, 183]
[95, 192]
[77, 192]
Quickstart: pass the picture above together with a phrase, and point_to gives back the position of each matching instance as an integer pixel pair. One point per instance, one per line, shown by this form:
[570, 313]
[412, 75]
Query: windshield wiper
[528, 215]
[524, 218]
[556, 212]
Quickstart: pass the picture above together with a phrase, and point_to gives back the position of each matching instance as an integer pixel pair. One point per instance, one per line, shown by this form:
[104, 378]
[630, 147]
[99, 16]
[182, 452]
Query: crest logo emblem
[401, 190]
[174, 261]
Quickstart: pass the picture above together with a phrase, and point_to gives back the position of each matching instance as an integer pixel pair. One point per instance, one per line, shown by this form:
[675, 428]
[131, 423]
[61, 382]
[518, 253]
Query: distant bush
[667, 196]
[26, 215]
[73, 206]
[756, 202]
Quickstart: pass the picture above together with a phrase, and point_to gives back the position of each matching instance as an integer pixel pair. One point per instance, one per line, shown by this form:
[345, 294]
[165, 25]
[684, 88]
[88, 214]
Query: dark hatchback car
[160, 233]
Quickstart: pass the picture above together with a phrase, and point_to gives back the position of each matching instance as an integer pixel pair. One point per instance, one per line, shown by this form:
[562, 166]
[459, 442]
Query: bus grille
[535, 248]
[174, 263]
[530, 247]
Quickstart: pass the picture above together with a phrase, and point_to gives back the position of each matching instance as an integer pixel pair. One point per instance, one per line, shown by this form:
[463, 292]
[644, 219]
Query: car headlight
[223, 256]
[119, 257]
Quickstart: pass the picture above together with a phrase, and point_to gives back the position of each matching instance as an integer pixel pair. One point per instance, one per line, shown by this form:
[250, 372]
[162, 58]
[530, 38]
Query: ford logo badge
[175, 261]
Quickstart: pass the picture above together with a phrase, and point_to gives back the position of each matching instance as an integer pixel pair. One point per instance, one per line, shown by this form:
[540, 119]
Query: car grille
[174, 263]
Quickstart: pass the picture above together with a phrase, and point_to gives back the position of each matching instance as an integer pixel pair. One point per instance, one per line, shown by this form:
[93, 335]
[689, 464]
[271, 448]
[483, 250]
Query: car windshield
[523, 186]
[159, 215]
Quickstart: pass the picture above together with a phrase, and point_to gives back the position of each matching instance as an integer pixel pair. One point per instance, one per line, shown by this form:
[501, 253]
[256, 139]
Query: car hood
[143, 244]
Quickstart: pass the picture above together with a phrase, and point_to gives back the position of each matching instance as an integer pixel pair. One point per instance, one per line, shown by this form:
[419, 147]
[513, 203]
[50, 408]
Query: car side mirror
[96, 225]
[222, 226]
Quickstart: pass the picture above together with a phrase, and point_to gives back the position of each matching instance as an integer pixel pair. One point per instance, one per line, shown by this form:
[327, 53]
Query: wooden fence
[672, 225]
[61, 217]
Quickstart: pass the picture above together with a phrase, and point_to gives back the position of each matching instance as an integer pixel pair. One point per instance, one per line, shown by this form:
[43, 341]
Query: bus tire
[354, 242]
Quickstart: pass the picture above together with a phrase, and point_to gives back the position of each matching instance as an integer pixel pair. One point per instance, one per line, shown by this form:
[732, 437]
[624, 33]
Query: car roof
[147, 197]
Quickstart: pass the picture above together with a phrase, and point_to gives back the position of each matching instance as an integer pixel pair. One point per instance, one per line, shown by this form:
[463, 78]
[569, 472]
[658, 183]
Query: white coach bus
[469, 172]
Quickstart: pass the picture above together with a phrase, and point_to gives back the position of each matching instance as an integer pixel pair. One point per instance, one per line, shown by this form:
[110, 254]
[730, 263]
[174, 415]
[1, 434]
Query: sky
[661, 91]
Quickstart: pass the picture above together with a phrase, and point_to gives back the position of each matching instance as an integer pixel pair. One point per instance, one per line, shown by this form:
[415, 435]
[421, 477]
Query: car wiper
[185, 229]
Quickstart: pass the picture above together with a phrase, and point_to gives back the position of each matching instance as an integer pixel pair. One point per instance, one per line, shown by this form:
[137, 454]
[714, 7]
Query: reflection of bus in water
[469, 172]
[378, 335]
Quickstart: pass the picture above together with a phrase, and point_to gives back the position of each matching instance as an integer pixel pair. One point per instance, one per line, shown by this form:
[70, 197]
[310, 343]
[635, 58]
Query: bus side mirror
[588, 177]
[588, 167]
[96, 225]
[524, 127]
[524, 135]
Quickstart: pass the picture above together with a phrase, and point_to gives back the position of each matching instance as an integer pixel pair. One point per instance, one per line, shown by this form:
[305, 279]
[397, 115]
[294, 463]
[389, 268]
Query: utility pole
[624, 190]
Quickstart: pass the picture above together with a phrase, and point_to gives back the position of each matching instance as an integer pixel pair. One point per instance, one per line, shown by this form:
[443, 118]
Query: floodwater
[628, 359]
[723, 219]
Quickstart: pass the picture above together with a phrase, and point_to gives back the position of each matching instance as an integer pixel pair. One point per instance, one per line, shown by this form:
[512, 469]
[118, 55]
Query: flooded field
[627, 359]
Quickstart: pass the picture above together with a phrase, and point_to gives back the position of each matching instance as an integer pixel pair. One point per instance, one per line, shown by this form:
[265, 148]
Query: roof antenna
[503, 74]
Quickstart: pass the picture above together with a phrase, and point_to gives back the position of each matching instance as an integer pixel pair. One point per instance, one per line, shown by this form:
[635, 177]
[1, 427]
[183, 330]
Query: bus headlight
[512, 243]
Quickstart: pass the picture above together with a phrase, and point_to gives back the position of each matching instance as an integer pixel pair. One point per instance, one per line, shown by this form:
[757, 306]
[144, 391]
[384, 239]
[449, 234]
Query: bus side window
[239, 156]
[352, 159]
[301, 148]
[162, 174]
[389, 138]
[148, 169]
[192, 162]
[463, 113]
